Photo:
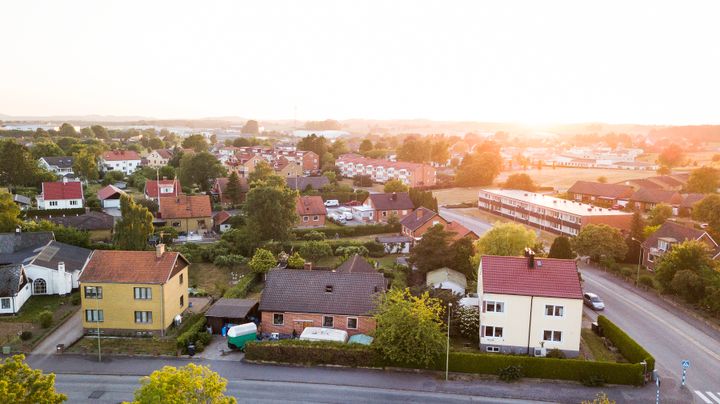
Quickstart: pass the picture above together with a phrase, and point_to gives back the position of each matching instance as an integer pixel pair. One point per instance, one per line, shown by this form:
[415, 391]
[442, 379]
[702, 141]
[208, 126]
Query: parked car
[593, 301]
[332, 203]
[617, 207]
[346, 213]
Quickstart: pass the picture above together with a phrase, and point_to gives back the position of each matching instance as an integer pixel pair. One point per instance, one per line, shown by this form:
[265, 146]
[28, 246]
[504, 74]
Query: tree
[461, 253]
[87, 133]
[423, 198]
[664, 170]
[270, 210]
[659, 214]
[439, 152]
[338, 148]
[362, 180]
[671, 156]
[251, 127]
[9, 213]
[409, 328]
[18, 167]
[316, 144]
[331, 176]
[100, 132]
[395, 186]
[691, 256]
[314, 250]
[602, 179]
[134, 227]
[708, 211]
[46, 149]
[85, 165]
[432, 251]
[561, 248]
[67, 130]
[598, 240]
[261, 172]
[112, 177]
[704, 180]
[637, 226]
[478, 169]
[195, 142]
[415, 150]
[520, 181]
[365, 146]
[262, 261]
[199, 169]
[189, 384]
[507, 239]
[234, 188]
[296, 261]
[469, 319]
[67, 235]
[19, 383]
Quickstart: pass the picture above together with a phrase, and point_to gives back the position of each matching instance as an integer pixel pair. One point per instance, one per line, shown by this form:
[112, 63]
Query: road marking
[713, 396]
[702, 397]
[662, 321]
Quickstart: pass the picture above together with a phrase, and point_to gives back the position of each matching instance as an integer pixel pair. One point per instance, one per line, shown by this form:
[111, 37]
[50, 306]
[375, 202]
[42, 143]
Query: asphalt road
[472, 223]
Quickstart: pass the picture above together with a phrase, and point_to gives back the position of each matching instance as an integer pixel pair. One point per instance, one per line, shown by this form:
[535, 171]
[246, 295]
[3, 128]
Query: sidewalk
[69, 332]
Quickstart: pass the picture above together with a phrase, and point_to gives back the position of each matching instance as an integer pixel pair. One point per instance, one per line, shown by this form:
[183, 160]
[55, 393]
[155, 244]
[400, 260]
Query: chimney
[530, 254]
[61, 268]
[159, 250]
[64, 180]
[308, 266]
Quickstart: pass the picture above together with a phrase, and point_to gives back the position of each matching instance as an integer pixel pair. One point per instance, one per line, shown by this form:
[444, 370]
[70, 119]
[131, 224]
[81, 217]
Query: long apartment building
[411, 174]
[548, 213]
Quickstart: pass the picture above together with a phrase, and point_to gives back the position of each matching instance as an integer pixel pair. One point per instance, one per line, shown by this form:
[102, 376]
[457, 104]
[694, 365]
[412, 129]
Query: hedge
[352, 231]
[43, 213]
[354, 355]
[243, 287]
[195, 334]
[629, 348]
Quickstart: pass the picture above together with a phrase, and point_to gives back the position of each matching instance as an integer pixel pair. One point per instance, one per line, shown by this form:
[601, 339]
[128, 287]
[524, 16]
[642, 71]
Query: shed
[446, 278]
[231, 311]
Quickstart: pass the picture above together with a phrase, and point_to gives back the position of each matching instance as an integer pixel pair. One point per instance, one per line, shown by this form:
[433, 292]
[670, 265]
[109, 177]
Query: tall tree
[561, 248]
[270, 210]
[637, 225]
[9, 213]
[659, 214]
[507, 239]
[134, 227]
[671, 156]
[67, 130]
[479, 169]
[234, 188]
[316, 144]
[19, 383]
[704, 180]
[691, 256]
[100, 132]
[261, 172]
[18, 167]
[251, 127]
[199, 169]
[708, 211]
[423, 198]
[598, 240]
[339, 147]
[195, 142]
[414, 149]
[439, 152]
[87, 133]
[189, 384]
[395, 186]
[432, 251]
[365, 146]
[46, 149]
[520, 181]
[461, 253]
[85, 165]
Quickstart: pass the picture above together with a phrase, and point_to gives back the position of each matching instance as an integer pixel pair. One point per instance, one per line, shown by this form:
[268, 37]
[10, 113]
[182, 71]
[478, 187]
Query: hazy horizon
[556, 62]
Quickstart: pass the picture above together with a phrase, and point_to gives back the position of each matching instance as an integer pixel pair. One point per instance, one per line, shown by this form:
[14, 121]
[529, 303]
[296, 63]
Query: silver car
[593, 301]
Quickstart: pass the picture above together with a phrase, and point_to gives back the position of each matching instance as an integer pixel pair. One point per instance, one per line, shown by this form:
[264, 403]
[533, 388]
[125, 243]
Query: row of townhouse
[287, 161]
[411, 174]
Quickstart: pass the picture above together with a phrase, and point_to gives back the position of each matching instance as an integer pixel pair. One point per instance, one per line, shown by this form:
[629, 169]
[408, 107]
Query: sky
[652, 62]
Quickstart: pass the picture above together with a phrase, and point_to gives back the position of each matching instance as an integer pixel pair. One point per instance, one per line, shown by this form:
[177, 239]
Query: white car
[332, 203]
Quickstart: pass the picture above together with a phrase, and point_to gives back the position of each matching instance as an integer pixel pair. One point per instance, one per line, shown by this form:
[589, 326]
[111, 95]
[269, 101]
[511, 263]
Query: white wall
[569, 324]
[111, 203]
[61, 204]
[126, 166]
[450, 285]
[22, 296]
[57, 283]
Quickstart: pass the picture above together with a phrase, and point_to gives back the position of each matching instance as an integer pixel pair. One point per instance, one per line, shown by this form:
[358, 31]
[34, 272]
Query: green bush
[626, 272]
[351, 231]
[314, 235]
[45, 318]
[647, 281]
[195, 332]
[75, 299]
[555, 353]
[312, 353]
[510, 373]
[629, 348]
[243, 287]
[26, 335]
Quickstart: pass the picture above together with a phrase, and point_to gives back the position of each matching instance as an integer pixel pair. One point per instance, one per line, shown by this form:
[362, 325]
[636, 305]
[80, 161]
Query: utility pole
[97, 319]
[637, 277]
[447, 356]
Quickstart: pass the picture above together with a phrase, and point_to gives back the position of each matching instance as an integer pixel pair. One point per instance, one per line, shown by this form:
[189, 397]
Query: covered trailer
[240, 334]
[323, 334]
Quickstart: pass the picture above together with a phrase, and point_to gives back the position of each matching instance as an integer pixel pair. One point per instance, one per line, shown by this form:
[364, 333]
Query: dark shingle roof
[614, 191]
[656, 196]
[10, 278]
[674, 230]
[418, 218]
[304, 291]
[231, 308]
[17, 247]
[356, 264]
[87, 221]
[301, 183]
[54, 253]
[691, 199]
[550, 277]
[392, 201]
[60, 162]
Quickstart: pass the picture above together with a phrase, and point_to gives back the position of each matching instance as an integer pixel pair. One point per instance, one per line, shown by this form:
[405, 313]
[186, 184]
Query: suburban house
[126, 161]
[220, 221]
[311, 211]
[159, 158]
[288, 168]
[164, 187]
[14, 288]
[395, 244]
[302, 183]
[529, 305]
[61, 195]
[446, 278]
[673, 182]
[56, 267]
[242, 163]
[294, 299]
[422, 219]
[21, 247]
[644, 199]
[133, 292]
[186, 213]
[669, 234]
[100, 225]
[555, 215]
[62, 166]
[219, 190]
[385, 206]
[109, 197]
[600, 194]
[231, 311]
[411, 174]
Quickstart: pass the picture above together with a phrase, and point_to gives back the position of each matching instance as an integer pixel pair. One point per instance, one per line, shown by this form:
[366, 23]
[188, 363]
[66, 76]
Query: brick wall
[298, 321]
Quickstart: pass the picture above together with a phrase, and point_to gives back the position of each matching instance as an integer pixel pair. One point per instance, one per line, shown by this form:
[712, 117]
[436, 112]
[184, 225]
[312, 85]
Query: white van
[332, 203]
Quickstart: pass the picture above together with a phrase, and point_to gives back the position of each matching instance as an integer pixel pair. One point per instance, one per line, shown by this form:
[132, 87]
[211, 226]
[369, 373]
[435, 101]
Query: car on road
[332, 203]
[593, 301]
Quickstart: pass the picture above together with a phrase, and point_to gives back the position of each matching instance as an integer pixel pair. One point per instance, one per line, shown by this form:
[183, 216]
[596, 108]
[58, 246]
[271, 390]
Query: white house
[529, 305]
[126, 161]
[56, 267]
[61, 195]
[109, 196]
[164, 187]
[61, 166]
[14, 288]
[446, 278]
[158, 158]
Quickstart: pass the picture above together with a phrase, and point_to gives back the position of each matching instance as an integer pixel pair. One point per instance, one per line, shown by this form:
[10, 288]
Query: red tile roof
[613, 191]
[550, 277]
[117, 155]
[164, 153]
[459, 230]
[310, 205]
[55, 191]
[152, 188]
[108, 191]
[221, 217]
[185, 206]
[108, 266]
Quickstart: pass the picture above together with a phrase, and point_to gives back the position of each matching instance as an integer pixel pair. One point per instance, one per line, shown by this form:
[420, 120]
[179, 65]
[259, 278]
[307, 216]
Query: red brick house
[601, 194]
[294, 299]
[387, 205]
[422, 219]
[669, 234]
[311, 211]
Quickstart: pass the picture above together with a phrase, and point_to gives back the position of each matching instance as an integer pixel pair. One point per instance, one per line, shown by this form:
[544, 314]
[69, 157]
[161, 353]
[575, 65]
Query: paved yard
[67, 334]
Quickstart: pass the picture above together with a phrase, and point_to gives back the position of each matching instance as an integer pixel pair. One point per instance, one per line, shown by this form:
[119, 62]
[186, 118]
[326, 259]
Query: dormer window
[328, 289]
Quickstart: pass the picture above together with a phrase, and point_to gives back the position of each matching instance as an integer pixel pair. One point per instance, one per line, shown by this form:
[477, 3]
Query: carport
[231, 311]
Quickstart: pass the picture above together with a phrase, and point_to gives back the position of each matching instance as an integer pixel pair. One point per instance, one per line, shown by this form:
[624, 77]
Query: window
[39, 287]
[491, 331]
[492, 349]
[651, 258]
[384, 213]
[143, 293]
[5, 303]
[494, 307]
[328, 288]
[182, 301]
[93, 292]
[181, 279]
[554, 336]
[53, 203]
[175, 224]
[306, 218]
[94, 316]
[328, 321]
[316, 218]
[352, 323]
[73, 202]
[278, 319]
[553, 311]
[144, 317]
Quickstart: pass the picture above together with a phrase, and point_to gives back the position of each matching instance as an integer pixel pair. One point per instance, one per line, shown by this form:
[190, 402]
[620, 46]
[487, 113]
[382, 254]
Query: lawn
[210, 278]
[124, 346]
[26, 320]
[592, 347]
[545, 236]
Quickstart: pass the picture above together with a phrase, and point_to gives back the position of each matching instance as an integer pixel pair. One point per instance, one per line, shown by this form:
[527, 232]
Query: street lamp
[447, 356]
[637, 277]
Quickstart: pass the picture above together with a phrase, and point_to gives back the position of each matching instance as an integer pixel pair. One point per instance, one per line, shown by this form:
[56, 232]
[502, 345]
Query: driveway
[69, 332]
[218, 349]
[477, 225]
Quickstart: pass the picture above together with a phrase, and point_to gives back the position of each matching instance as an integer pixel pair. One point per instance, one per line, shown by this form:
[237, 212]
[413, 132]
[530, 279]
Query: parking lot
[338, 211]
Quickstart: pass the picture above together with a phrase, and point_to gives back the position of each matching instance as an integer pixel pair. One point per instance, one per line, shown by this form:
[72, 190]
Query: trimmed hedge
[312, 353]
[194, 334]
[243, 287]
[43, 213]
[629, 348]
[352, 231]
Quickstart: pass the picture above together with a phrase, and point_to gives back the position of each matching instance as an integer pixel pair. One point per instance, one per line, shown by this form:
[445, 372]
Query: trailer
[240, 334]
[324, 334]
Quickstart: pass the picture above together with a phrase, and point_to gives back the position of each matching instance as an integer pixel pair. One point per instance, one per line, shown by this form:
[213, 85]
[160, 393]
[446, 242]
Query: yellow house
[133, 293]
[186, 213]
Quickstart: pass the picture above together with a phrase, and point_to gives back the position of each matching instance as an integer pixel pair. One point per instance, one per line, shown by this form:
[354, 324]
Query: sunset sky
[520, 61]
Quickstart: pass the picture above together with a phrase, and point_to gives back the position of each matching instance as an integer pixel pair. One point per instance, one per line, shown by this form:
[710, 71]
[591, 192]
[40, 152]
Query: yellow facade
[291, 170]
[118, 304]
[199, 225]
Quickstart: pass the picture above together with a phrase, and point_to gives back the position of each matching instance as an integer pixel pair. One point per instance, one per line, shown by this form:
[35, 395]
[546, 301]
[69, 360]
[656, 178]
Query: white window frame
[5, 303]
[93, 292]
[143, 317]
[94, 316]
[492, 349]
[142, 293]
[553, 333]
[357, 323]
[494, 304]
[554, 310]
[281, 316]
[494, 333]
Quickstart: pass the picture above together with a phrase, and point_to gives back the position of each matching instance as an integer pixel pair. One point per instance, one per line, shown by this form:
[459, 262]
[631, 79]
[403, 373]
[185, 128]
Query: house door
[300, 325]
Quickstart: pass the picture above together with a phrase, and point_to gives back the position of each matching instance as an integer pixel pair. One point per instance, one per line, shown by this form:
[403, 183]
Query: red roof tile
[108, 266]
[55, 191]
[310, 205]
[117, 155]
[221, 217]
[152, 188]
[185, 206]
[108, 191]
[550, 277]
